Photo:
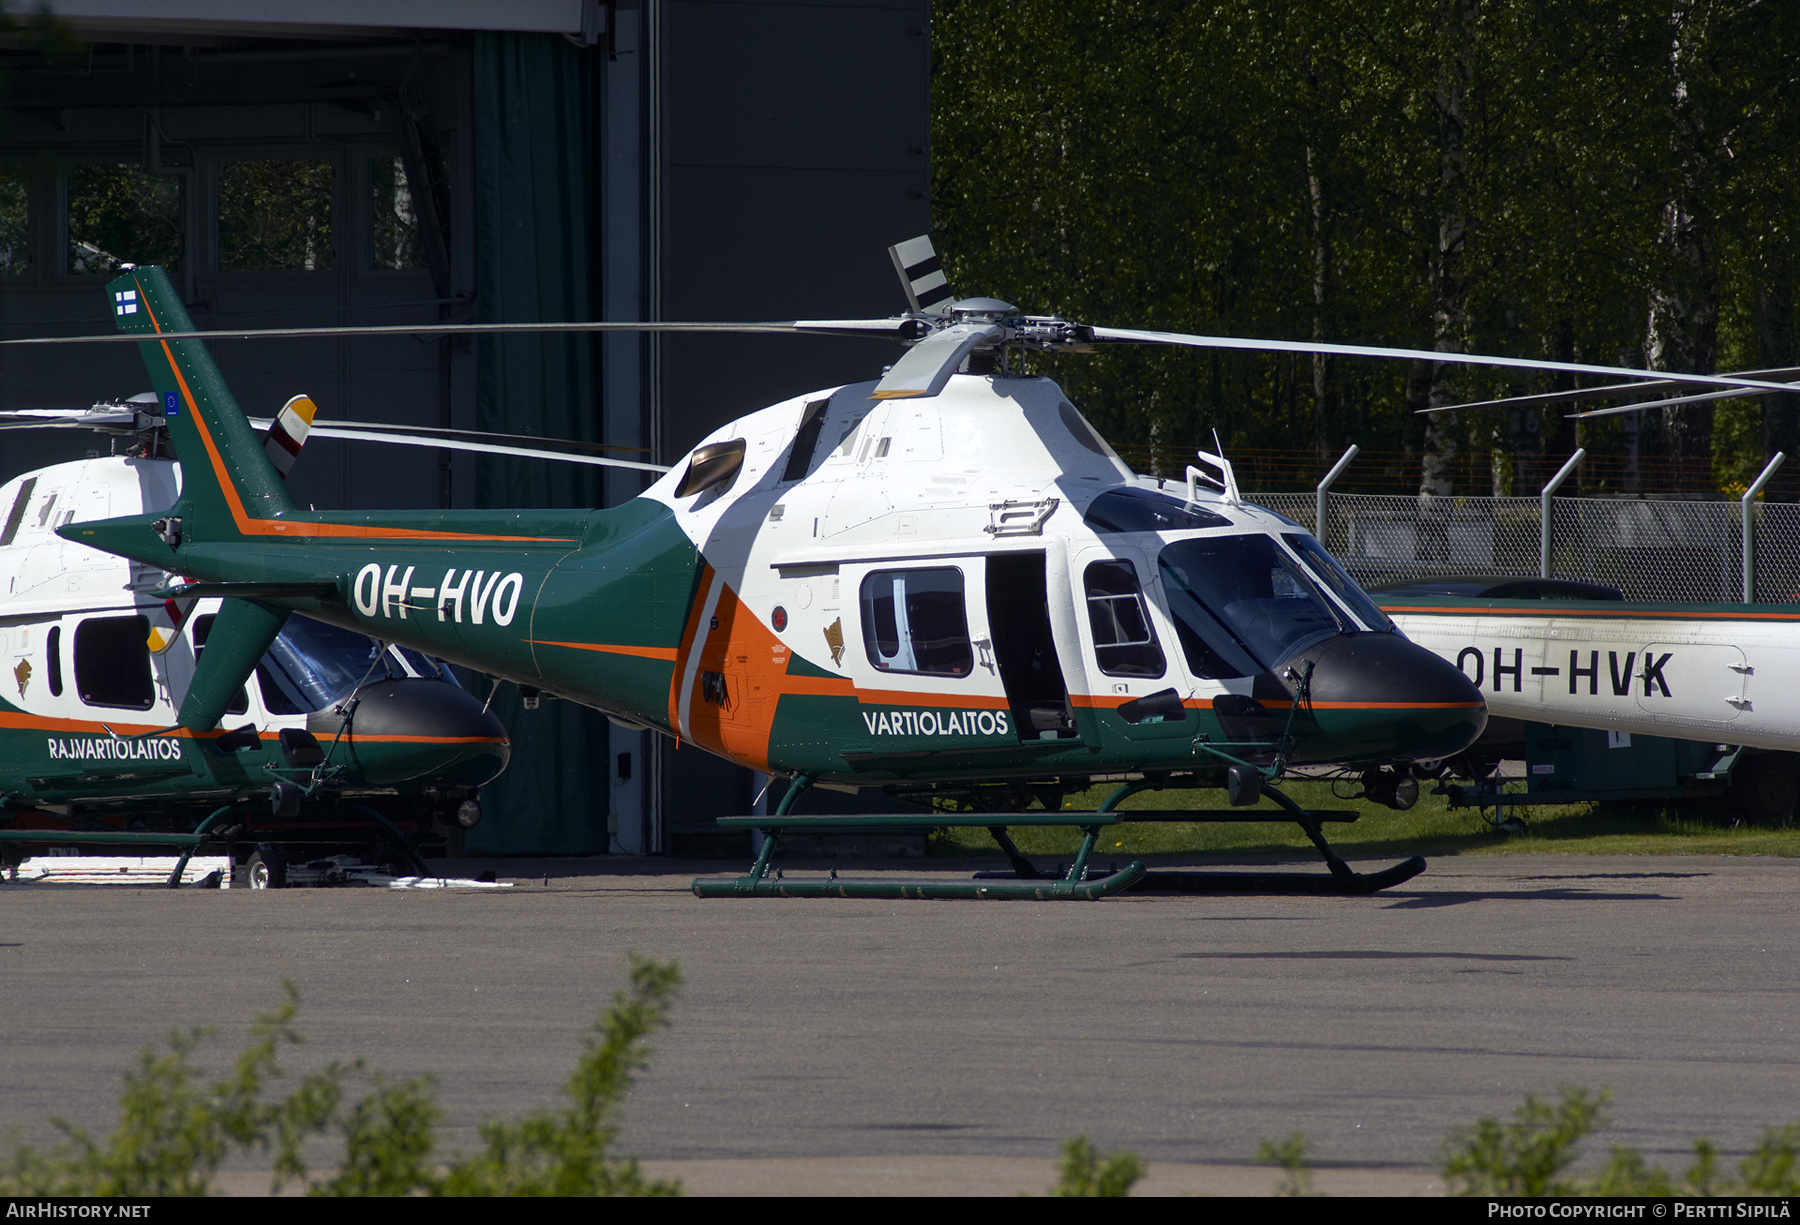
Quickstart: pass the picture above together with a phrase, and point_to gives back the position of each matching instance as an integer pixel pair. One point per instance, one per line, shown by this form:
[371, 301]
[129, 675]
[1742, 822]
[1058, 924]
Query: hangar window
[394, 236]
[275, 216]
[121, 214]
[112, 662]
[15, 223]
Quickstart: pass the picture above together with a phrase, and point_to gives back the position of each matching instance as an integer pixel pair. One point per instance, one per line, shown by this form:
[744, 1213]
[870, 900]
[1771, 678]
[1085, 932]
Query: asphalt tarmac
[834, 1045]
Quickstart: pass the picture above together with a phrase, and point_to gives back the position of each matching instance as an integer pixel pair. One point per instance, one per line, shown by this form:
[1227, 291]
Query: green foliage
[1529, 1155]
[275, 216]
[1770, 1169]
[387, 1142]
[1494, 176]
[1084, 1174]
[1290, 1154]
[122, 214]
[174, 1132]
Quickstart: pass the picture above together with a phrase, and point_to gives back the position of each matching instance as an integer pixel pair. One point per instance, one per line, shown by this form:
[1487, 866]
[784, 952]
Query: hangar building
[395, 161]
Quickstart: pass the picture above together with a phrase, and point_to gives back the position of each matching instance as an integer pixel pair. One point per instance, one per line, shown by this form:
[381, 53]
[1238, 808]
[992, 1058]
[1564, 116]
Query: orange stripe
[123, 731]
[1390, 706]
[247, 526]
[360, 738]
[613, 648]
[902, 697]
[1109, 702]
[815, 686]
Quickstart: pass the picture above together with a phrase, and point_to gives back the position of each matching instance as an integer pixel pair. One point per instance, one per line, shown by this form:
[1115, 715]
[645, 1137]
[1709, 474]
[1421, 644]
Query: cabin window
[202, 628]
[1124, 642]
[914, 621]
[112, 663]
[53, 659]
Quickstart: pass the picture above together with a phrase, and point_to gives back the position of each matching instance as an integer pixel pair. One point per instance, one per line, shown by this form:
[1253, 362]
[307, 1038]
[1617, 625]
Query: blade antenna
[1226, 480]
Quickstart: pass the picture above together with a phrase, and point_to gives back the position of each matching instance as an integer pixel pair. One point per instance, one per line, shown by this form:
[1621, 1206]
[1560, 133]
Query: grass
[1430, 828]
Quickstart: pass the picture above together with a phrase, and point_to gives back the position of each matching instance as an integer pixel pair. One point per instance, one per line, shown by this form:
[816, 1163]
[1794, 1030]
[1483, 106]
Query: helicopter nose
[413, 729]
[1373, 694]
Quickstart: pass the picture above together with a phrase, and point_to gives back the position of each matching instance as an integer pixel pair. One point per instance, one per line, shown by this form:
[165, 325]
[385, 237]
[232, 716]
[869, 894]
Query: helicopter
[1708, 673]
[942, 583]
[96, 667]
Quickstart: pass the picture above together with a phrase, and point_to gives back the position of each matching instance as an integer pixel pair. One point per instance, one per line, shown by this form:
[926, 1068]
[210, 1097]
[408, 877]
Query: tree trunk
[1682, 331]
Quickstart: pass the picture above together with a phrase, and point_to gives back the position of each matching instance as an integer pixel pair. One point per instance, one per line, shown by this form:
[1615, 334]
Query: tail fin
[227, 480]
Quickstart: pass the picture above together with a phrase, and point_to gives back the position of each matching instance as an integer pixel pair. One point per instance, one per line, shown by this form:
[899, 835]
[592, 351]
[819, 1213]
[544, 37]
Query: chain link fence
[1650, 550]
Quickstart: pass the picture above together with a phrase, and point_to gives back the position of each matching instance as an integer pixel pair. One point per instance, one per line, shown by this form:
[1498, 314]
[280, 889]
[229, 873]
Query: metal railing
[1651, 550]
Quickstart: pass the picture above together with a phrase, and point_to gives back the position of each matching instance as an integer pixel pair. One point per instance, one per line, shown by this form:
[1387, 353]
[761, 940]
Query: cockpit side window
[1124, 642]
[915, 621]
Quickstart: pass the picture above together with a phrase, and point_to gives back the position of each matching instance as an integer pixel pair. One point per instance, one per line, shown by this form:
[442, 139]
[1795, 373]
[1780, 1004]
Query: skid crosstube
[1071, 886]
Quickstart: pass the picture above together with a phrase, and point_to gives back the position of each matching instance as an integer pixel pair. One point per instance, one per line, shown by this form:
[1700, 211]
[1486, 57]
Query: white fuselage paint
[1695, 678]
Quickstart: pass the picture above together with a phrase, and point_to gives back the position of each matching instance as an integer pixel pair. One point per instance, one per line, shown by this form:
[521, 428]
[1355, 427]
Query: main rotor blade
[447, 444]
[433, 431]
[1617, 389]
[928, 365]
[67, 419]
[1129, 336]
[1618, 409]
[899, 329]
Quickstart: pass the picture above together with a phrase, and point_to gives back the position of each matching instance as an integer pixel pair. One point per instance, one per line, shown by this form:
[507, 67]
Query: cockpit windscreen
[1241, 605]
[1145, 510]
[1326, 570]
[311, 664]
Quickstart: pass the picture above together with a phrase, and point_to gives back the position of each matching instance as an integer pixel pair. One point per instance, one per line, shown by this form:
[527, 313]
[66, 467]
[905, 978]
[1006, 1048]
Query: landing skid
[1075, 881]
[1355, 884]
[1343, 880]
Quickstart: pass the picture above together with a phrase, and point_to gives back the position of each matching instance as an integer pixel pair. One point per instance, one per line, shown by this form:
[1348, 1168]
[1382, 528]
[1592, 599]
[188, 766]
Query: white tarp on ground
[117, 870]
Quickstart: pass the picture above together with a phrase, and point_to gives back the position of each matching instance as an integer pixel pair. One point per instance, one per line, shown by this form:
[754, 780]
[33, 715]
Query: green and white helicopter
[942, 583]
[329, 722]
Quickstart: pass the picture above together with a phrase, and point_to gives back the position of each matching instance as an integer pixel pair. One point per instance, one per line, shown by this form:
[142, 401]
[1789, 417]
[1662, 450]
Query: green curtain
[534, 139]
